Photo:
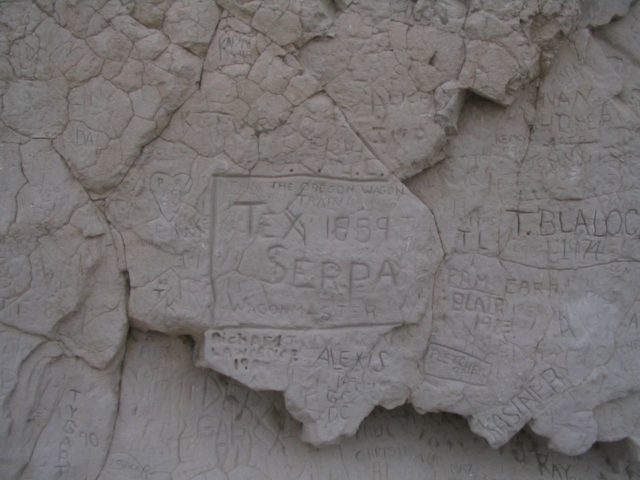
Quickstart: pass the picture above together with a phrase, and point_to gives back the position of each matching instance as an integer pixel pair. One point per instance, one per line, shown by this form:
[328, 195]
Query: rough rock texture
[350, 204]
[180, 422]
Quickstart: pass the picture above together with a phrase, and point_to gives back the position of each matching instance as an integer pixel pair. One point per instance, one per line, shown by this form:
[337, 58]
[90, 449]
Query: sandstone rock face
[307, 210]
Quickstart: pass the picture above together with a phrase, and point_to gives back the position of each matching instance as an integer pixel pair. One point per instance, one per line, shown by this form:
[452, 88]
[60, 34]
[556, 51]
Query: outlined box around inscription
[314, 252]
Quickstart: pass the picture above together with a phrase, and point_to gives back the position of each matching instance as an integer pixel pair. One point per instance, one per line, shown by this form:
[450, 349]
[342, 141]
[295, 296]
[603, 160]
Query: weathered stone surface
[188, 24]
[539, 220]
[97, 81]
[62, 320]
[58, 413]
[310, 255]
[393, 62]
[285, 22]
[232, 172]
[59, 269]
[180, 422]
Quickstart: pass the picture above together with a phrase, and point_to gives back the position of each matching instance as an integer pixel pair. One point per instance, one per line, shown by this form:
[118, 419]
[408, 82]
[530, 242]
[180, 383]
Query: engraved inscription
[314, 252]
[502, 422]
[577, 232]
[453, 364]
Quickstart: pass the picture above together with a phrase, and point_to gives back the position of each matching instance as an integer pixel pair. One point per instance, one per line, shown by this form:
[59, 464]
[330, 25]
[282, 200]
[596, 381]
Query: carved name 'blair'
[301, 251]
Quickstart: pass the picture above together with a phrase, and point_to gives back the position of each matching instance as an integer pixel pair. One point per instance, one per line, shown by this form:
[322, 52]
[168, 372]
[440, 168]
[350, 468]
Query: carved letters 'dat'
[314, 252]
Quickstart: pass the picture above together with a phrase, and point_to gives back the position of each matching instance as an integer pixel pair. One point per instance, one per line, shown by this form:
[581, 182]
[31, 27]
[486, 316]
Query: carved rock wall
[232, 230]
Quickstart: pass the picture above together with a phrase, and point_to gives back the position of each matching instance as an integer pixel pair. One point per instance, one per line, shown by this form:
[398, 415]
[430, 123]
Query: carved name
[312, 252]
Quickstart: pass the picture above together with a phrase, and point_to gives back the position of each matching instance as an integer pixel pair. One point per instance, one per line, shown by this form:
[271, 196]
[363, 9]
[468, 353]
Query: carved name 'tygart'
[314, 252]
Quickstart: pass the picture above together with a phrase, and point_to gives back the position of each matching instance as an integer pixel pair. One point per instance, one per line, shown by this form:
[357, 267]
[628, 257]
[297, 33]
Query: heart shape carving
[168, 190]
